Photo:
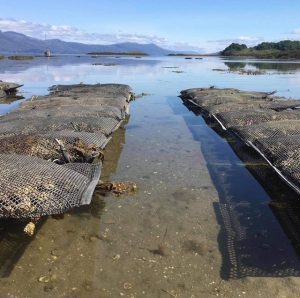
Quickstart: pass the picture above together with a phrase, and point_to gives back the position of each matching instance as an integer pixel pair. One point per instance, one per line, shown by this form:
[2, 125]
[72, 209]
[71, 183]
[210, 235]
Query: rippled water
[210, 218]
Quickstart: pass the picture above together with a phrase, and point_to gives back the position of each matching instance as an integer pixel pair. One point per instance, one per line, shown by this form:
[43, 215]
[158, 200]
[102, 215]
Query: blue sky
[205, 25]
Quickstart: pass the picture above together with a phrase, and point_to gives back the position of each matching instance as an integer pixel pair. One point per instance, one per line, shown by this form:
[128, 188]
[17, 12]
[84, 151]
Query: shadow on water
[13, 240]
[112, 155]
[259, 214]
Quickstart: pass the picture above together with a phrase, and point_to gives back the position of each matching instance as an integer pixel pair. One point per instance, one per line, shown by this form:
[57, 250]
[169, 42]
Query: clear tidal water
[210, 218]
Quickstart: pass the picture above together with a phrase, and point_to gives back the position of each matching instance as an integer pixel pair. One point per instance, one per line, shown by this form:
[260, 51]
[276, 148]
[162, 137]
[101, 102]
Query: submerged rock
[118, 188]
[29, 229]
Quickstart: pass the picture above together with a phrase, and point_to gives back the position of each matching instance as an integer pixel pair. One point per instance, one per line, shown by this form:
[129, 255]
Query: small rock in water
[29, 229]
[44, 279]
[116, 257]
[56, 252]
[127, 286]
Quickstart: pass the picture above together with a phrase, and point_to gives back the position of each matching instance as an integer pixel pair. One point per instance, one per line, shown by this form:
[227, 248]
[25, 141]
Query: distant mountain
[17, 43]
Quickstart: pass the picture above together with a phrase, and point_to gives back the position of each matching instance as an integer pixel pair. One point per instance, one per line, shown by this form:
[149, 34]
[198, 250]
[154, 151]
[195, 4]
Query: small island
[286, 49]
[17, 57]
[133, 53]
[197, 56]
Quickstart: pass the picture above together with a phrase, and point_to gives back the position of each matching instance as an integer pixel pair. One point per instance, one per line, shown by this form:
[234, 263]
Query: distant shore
[117, 54]
[17, 57]
[193, 55]
[266, 54]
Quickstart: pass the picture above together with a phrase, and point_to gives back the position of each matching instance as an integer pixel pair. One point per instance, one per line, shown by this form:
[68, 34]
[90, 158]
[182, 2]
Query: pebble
[44, 279]
[127, 286]
[55, 252]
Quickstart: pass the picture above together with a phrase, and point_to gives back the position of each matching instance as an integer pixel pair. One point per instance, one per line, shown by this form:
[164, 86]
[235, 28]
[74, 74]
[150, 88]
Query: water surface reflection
[253, 242]
[111, 240]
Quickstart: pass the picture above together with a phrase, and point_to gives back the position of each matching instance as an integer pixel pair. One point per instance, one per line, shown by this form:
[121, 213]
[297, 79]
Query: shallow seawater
[210, 218]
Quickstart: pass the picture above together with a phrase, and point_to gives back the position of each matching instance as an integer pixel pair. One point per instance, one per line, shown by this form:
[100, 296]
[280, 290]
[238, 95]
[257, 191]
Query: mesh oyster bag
[271, 129]
[51, 148]
[284, 154]
[251, 117]
[31, 187]
[269, 124]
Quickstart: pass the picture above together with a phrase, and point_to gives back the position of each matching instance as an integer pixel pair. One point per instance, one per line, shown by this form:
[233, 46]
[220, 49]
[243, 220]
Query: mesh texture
[32, 187]
[51, 148]
[271, 125]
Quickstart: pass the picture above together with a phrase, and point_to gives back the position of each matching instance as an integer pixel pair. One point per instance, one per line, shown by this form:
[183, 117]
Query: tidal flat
[203, 199]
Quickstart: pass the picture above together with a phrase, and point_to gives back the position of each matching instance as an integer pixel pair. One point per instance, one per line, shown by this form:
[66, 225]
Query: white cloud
[220, 44]
[249, 40]
[296, 31]
[69, 33]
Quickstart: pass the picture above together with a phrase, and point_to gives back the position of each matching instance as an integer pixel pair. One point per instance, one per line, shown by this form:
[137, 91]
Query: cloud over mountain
[248, 40]
[70, 33]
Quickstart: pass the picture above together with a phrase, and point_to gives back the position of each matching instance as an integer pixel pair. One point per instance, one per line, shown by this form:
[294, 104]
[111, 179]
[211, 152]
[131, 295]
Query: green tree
[233, 48]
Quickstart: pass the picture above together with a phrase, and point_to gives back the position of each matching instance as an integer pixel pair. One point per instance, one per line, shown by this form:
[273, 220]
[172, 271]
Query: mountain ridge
[12, 42]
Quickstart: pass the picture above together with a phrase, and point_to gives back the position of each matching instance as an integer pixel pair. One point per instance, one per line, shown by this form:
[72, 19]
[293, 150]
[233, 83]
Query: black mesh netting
[284, 154]
[271, 129]
[235, 99]
[238, 106]
[32, 187]
[252, 243]
[51, 148]
[247, 253]
[105, 125]
[271, 125]
[247, 117]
